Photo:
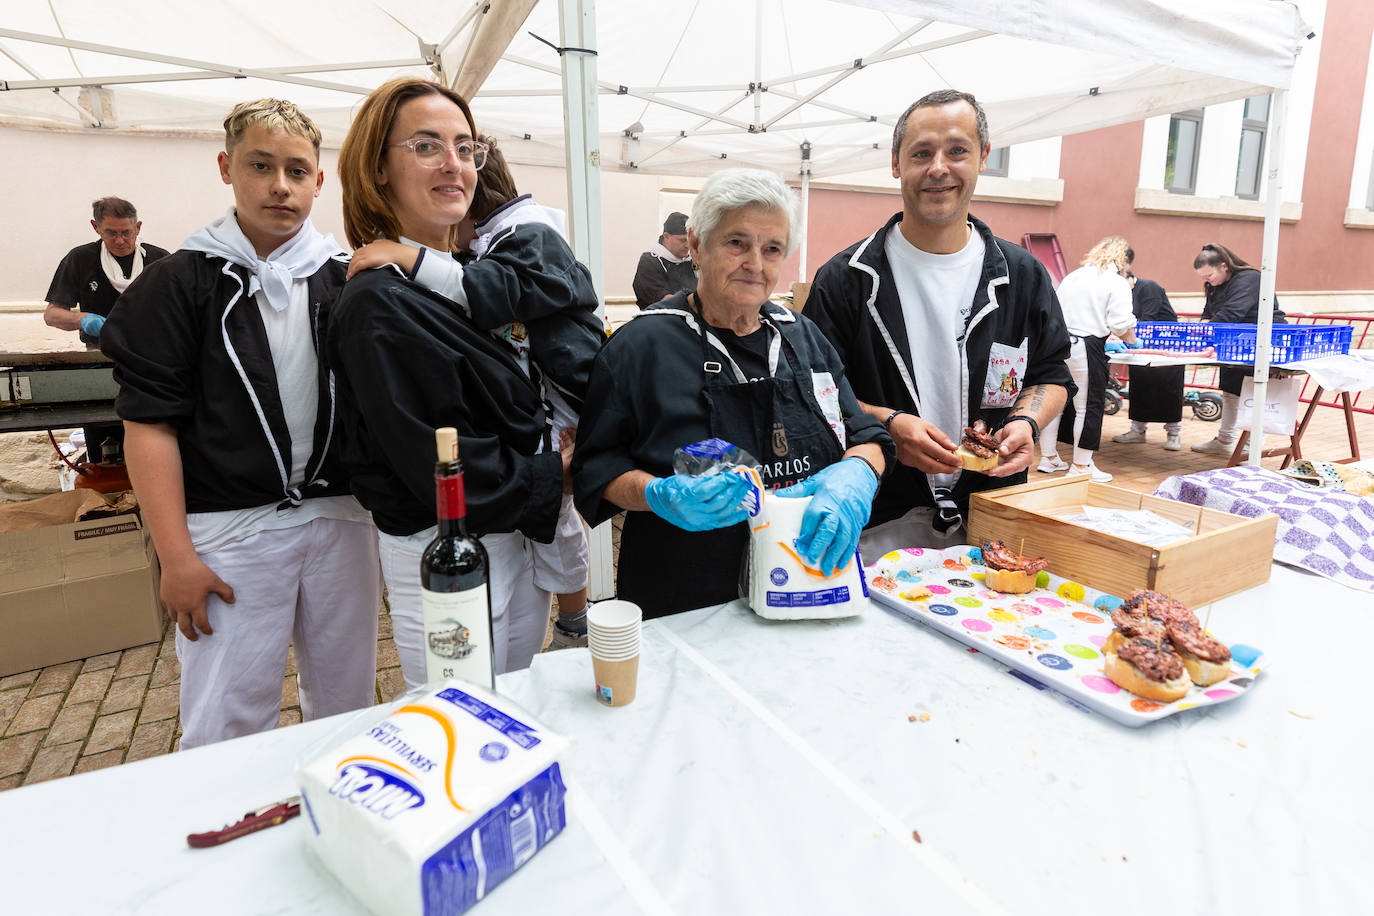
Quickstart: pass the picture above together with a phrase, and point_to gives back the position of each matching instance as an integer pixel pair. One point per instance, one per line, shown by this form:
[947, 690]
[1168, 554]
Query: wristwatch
[1035, 427]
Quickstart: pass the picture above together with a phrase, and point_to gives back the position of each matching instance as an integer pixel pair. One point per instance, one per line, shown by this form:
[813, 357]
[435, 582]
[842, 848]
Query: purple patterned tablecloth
[1327, 532]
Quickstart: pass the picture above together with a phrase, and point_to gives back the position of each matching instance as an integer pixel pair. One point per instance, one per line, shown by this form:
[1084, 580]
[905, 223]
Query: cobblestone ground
[122, 706]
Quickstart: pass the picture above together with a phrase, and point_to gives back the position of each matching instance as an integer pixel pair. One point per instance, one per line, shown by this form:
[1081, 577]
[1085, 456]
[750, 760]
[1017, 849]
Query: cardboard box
[74, 590]
[1228, 554]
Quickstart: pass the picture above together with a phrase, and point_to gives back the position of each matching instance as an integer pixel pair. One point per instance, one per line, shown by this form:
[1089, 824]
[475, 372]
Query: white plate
[1050, 637]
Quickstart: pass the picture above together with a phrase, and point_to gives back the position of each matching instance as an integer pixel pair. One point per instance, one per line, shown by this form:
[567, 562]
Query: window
[1254, 126]
[997, 162]
[1369, 195]
[1180, 163]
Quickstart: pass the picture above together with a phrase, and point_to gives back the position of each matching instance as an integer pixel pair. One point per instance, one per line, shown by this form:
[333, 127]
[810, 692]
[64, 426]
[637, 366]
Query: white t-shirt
[936, 292]
[293, 358]
[1096, 302]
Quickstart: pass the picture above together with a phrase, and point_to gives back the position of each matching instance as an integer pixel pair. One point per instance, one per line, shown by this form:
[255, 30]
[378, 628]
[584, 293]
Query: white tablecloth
[773, 767]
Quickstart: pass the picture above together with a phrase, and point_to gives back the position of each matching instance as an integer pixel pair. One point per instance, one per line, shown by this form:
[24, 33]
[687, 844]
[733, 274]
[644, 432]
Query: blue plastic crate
[1236, 342]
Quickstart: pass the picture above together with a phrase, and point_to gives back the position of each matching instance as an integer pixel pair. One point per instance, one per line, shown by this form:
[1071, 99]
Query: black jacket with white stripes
[190, 350]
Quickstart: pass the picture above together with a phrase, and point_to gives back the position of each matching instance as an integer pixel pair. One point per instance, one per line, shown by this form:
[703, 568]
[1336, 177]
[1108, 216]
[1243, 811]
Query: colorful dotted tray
[1049, 637]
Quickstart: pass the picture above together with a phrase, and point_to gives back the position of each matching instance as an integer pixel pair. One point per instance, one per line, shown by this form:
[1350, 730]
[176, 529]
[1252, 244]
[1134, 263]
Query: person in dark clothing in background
[1156, 391]
[1233, 292]
[90, 280]
[666, 268]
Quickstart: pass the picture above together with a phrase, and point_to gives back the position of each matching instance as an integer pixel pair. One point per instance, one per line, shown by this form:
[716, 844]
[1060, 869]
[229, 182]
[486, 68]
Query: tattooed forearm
[1041, 402]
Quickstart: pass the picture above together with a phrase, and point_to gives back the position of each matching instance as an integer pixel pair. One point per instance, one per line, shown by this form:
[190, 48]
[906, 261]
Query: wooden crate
[1228, 554]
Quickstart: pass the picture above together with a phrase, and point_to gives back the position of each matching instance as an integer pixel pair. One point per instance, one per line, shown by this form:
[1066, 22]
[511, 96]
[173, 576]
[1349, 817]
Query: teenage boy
[229, 417]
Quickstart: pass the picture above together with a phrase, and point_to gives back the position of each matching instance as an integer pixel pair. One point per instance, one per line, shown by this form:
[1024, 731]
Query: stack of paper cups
[613, 637]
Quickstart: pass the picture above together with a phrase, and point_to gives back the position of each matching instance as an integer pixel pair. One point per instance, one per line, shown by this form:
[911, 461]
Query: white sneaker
[1133, 437]
[1050, 464]
[1216, 446]
[1098, 476]
[1172, 444]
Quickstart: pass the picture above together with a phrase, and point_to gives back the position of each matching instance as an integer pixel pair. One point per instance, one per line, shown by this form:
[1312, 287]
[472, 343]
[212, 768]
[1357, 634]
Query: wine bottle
[454, 595]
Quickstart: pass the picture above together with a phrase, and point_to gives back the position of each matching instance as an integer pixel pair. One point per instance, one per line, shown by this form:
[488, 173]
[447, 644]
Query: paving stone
[55, 679]
[111, 731]
[166, 671]
[290, 693]
[137, 661]
[10, 701]
[151, 740]
[90, 686]
[99, 761]
[290, 660]
[73, 723]
[11, 782]
[108, 660]
[15, 753]
[160, 703]
[384, 626]
[22, 679]
[386, 654]
[390, 684]
[289, 717]
[126, 693]
[35, 714]
[168, 647]
[53, 762]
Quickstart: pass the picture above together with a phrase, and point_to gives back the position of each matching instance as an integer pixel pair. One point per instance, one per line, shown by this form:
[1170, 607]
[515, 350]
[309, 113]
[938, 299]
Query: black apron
[666, 570]
[1156, 394]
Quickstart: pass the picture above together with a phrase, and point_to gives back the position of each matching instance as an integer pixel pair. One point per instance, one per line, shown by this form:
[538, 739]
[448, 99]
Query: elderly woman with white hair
[723, 362]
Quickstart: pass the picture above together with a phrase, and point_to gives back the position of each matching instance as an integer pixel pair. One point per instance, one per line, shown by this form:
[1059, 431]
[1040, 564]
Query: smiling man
[941, 323]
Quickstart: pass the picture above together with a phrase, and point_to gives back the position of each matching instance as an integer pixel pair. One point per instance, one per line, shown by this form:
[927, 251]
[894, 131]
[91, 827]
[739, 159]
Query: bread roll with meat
[974, 462]
[1011, 581]
[1128, 677]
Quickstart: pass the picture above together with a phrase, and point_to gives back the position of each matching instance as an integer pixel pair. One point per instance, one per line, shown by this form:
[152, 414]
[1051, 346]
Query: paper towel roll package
[431, 807]
[783, 586]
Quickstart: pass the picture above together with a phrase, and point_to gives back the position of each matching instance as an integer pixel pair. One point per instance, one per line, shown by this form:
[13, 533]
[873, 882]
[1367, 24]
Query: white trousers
[317, 584]
[561, 567]
[1049, 435]
[1231, 427]
[519, 608]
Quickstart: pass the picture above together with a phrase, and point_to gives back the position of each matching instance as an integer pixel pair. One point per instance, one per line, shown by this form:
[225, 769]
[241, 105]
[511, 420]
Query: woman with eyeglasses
[1232, 290]
[422, 342]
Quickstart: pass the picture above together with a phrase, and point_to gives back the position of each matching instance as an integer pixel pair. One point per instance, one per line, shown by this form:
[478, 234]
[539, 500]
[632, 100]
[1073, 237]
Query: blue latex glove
[91, 324]
[1115, 346]
[698, 503]
[1135, 346]
[842, 499]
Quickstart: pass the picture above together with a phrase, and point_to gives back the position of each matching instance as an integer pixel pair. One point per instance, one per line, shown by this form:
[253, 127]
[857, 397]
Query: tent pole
[582, 140]
[805, 206]
[1273, 201]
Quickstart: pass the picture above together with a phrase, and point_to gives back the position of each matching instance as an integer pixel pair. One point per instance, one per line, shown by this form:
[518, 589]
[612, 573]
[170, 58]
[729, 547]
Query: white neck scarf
[114, 273]
[665, 254]
[299, 257]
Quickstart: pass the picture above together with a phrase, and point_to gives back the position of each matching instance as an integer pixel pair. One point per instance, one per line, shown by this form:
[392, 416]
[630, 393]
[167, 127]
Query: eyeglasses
[118, 233]
[432, 153]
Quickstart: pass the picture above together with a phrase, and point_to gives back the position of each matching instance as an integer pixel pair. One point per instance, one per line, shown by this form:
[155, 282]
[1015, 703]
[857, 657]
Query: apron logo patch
[779, 440]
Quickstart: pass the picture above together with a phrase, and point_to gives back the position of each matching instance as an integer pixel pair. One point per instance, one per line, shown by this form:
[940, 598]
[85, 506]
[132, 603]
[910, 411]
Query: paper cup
[614, 615]
[615, 679]
[615, 655]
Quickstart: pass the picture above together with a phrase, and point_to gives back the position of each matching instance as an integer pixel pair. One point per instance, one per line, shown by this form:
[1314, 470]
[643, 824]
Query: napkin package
[424, 811]
[783, 586]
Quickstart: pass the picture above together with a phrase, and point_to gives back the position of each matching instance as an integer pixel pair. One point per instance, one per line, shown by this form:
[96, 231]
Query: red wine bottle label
[458, 636]
[450, 496]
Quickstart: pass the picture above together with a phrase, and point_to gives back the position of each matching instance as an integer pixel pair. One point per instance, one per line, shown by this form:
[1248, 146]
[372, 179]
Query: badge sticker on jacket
[779, 440]
[1006, 370]
[828, 397]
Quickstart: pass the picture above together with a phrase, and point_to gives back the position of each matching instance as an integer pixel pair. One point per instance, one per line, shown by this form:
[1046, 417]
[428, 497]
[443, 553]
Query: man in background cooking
[940, 323]
[91, 279]
[666, 268]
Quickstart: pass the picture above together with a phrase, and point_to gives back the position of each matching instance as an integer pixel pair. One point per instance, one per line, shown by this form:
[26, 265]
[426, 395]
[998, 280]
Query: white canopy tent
[807, 87]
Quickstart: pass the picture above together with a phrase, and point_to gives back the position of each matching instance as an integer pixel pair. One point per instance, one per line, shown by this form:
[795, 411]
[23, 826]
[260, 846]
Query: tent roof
[685, 85]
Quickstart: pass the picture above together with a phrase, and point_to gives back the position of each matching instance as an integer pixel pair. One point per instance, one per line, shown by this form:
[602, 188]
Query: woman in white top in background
[1096, 299]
